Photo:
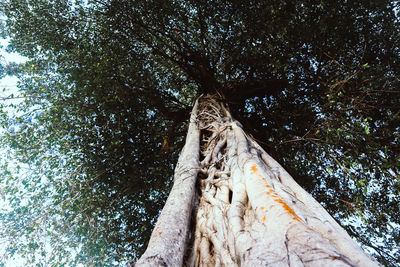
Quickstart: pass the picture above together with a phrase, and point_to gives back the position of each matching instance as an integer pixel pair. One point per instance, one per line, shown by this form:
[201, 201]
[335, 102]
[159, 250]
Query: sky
[8, 86]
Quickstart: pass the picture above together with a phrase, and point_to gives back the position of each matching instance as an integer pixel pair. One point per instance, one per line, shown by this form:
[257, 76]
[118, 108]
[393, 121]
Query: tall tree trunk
[234, 205]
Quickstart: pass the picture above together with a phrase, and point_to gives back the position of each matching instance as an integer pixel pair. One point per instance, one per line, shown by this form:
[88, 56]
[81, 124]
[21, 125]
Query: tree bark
[247, 210]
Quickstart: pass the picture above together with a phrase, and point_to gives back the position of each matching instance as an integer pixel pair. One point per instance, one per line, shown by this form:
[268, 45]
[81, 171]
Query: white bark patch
[250, 211]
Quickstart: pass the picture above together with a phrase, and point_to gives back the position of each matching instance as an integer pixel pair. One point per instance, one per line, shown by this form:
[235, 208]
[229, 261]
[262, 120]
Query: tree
[238, 195]
[110, 85]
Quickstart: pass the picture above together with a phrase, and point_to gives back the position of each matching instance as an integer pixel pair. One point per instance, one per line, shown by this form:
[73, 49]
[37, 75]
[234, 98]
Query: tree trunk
[239, 207]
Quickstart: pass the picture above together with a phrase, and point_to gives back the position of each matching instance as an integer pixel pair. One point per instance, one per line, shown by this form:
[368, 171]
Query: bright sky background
[10, 85]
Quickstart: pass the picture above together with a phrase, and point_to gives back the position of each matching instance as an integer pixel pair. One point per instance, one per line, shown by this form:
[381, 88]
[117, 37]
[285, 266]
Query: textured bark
[248, 211]
[167, 244]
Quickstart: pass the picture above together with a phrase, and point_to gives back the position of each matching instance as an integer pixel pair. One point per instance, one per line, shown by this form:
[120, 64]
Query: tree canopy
[107, 92]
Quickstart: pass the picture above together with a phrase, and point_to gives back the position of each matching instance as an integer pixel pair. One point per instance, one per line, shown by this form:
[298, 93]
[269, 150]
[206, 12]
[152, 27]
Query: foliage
[108, 89]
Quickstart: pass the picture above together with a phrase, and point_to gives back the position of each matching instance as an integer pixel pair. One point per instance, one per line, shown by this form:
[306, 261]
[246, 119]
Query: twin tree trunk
[233, 205]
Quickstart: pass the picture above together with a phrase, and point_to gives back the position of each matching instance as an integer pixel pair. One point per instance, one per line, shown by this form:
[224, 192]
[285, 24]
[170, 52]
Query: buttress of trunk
[239, 207]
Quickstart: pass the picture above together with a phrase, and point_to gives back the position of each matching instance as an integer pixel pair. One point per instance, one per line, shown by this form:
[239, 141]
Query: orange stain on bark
[155, 233]
[271, 192]
[254, 169]
[288, 209]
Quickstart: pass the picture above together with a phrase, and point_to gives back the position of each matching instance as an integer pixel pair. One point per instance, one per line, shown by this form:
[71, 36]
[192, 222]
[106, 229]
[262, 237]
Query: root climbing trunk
[234, 205]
